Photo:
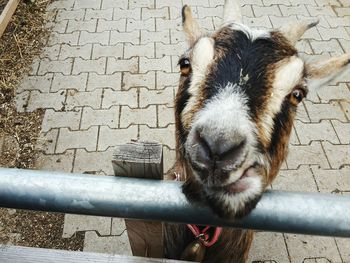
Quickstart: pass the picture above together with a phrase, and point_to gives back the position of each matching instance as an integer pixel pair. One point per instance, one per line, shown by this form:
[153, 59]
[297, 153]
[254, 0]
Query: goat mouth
[241, 184]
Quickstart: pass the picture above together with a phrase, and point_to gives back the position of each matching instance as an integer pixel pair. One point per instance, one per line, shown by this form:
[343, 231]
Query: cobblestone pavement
[108, 74]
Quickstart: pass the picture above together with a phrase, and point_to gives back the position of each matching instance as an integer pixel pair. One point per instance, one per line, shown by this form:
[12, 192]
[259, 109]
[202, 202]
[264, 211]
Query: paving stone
[169, 50]
[129, 65]
[82, 4]
[141, 3]
[82, 98]
[76, 139]
[56, 162]
[146, 50]
[258, 22]
[51, 52]
[196, 2]
[59, 119]
[301, 247]
[115, 51]
[147, 64]
[329, 33]
[48, 66]
[345, 105]
[112, 3]
[39, 83]
[125, 37]
[306, 154]
[321, 10]
[149, 97]
[101, 38]
[108, 244]
[165, 136]
[76, 223]
[95, 65]
[96, 81]
[152, 13]
[68, 51]
[345, 44]
[165, 116]
[342, 130]
[338, 155]
[62, 82]
[67, 38]
[165, 79]
[268, 246]
[332, 181]
[89, 25]
[332, 46]
[322, 131]
[62, 4]
[277, 2]
[165, 3]
[158, 36]
[116, 25]
[328, 93]
[47, 141]
[92, 117]
[337, 21]
[110, 137]
[33, 70]
[318, 112]
[162, 24]
[39, 100]
[328, 2]
[139, 80]
[302, 114]
[147, 116]
[304, 46]
[300, 180]
[149, 25]
[118, 226]
[106, 14]
[120, 13]
[111, 97]
[208, 11]
[267, 10]
[67, 14]
[94, 162]
[344, 248]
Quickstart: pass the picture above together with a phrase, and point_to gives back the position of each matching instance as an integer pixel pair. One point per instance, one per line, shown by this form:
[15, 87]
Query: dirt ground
[19, 45]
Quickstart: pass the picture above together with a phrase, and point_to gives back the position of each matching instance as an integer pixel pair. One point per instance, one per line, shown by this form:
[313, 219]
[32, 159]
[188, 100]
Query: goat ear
[322, 72]
[190, 26]
[295, 30]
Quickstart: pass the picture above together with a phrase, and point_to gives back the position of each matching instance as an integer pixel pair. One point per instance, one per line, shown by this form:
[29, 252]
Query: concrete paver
[108, 74]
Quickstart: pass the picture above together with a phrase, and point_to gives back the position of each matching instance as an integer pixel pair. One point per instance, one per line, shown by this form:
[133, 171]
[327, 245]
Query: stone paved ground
[108, 74]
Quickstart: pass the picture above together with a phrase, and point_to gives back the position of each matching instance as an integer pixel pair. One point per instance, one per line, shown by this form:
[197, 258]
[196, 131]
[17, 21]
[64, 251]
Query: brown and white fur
[238, 94]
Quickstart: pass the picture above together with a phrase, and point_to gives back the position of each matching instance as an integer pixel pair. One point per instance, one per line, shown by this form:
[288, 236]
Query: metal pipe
[304, 213]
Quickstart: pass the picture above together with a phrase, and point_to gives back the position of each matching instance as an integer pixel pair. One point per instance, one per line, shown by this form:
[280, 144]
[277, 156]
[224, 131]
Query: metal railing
[304, 213]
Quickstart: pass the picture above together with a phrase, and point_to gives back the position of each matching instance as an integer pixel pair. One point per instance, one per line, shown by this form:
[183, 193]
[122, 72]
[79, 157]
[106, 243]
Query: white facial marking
[226, 114]
[252, 33]
[202, 56]
[287, 76]
[238, 201]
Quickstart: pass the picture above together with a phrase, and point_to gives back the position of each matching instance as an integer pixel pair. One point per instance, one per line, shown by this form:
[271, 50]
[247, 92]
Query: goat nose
[219, 152]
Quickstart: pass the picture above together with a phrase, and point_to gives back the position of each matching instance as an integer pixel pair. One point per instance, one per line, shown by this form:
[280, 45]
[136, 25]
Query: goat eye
[297, 96]
[185, 66]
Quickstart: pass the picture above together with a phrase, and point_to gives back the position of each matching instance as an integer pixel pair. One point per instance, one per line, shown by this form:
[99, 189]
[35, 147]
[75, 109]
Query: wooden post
[141, 159]
[6, 14]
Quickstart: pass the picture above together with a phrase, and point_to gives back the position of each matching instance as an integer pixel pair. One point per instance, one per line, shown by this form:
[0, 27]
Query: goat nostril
[203, 151]
[218, 153]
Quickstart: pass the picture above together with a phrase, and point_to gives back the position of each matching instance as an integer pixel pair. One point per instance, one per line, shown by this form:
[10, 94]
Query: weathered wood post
[141, 159]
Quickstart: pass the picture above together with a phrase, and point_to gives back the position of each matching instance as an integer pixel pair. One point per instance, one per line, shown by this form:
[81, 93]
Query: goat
[237, 99]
